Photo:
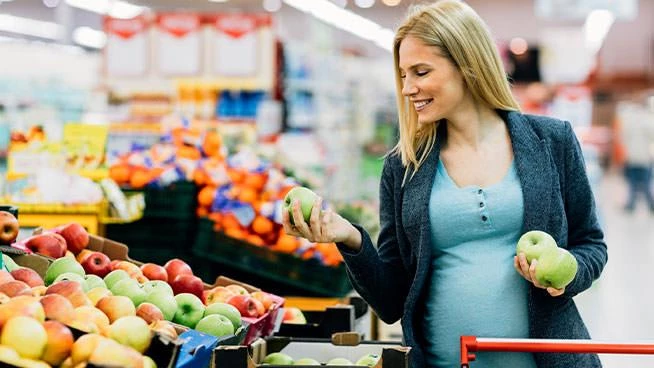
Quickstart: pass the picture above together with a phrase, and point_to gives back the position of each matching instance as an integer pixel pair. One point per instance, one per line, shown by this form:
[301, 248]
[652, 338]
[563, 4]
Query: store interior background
[330, 113]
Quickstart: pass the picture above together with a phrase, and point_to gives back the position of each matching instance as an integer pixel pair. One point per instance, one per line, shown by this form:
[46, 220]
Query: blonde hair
[461, 35]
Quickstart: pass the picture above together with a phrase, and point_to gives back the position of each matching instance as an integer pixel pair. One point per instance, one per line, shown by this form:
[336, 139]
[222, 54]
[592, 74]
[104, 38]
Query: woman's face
[432, 82]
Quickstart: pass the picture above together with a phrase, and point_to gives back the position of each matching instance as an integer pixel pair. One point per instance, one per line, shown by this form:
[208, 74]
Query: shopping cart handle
[471, 344]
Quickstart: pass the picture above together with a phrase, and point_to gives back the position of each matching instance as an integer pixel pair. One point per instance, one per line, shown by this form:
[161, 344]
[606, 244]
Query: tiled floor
[620, 305]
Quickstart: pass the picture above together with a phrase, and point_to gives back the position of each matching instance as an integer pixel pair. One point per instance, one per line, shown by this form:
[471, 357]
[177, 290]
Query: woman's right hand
[324, 226]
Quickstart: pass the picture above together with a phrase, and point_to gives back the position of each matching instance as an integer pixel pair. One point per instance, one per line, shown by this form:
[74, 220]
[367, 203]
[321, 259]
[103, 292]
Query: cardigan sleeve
[379, 274]
[585, 237]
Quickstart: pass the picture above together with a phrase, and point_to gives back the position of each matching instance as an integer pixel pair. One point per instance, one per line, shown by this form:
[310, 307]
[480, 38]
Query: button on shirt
[474, 289]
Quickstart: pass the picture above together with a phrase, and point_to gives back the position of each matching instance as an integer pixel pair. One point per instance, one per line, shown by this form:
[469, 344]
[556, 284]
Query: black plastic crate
[153, 234]
[309, 277]
[176, 201]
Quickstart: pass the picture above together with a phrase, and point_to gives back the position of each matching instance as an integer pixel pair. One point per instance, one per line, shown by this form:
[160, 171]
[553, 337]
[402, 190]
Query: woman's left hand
[529, 273]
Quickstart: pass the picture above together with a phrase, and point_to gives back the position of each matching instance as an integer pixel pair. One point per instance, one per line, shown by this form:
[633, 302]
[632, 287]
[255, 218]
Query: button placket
[483, 213]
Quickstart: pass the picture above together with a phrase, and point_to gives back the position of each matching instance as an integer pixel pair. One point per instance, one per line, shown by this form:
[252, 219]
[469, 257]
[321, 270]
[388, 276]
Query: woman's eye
[421, 73]
[402, 76]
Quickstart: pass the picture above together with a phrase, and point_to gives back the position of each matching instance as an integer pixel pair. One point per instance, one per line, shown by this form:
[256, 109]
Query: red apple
[57, 308]
[245, 304]
[154, 272]
[76, 236]
[5, 276]
[48, 244]
[96, 263]
[59, 345]
[9, 228]
[15, 288]
[259, 305]
[188, 284]
[128, 267]
[72, 290]
[149, 312]
[176, 267]
[293, 315]
[82, 255]
[28, 276]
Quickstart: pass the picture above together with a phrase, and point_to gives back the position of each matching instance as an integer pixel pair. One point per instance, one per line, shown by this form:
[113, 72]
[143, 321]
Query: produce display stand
[53, 215]
[472, 344]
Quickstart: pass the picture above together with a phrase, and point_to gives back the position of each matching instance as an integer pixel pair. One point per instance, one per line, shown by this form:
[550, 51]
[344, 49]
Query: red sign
[238, 25]
[125, 28]
[179, 25]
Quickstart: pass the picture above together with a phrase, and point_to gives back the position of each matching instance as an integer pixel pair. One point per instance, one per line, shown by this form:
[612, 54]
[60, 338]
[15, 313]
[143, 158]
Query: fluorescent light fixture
[346, 20]
[30, 27]
[89, 37]
[114, 8]
[364, 3]
[597, 26]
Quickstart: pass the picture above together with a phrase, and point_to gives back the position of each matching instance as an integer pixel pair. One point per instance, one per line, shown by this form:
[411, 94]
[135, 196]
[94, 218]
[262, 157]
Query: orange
[230, 222]
[188, 152]
[255, 240]
[287, 244]
[120, 173]
[202, 211]
[255, 181]
[140, 178]
[200, 178]
[206, 196]
[237, 176]
[247, 195]
[211, 144]
[235, 233]
[216, 217]
[262, 225]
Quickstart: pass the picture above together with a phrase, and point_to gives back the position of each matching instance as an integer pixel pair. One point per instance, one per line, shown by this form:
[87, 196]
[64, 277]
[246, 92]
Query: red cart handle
[471, 344]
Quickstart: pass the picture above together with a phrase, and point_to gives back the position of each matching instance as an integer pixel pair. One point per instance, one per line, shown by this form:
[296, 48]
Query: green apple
[9, 263]
[156, 285]
[114, 276]
[215, 325]
[71, 277]
[306, 197]
[534, 243]
[278, 359]
[131, 289]
[556, 268]
[93, 281]
[369, 360]
[62, 265]
[226, 310]
[190, 310]
[131, 331]
[164, 301]
[307, 361]
[339, 361]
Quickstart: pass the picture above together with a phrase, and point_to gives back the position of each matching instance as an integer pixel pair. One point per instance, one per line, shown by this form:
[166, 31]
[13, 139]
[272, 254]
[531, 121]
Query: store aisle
[620, 305]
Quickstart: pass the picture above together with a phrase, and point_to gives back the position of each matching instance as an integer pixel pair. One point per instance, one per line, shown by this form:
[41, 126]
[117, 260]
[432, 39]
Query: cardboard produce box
[341, 345]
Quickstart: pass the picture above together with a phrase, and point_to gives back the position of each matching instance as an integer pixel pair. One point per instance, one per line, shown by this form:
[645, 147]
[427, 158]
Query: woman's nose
[408, 88]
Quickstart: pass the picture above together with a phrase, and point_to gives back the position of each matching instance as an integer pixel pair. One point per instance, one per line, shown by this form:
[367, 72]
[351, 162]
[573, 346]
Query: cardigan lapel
[534, 170]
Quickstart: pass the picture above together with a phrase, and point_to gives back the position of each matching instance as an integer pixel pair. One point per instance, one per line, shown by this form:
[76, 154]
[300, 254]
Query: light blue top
[474, 289]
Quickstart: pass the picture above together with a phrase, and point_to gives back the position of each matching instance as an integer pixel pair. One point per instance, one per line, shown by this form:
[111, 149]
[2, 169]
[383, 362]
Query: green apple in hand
[278, 359]
[556, 268]
[306, 197]
[534, 243]
[215, 325]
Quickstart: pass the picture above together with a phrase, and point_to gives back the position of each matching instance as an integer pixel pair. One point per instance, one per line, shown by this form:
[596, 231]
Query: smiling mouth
[421, 105]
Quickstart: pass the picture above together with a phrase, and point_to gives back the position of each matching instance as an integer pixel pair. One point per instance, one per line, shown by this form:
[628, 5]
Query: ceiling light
[346, 20]
[364, 3]
[272, 5]
[391, 2]
[89, 37]
[597, 26]
[116, 9]
[341, 3]
[30, 27]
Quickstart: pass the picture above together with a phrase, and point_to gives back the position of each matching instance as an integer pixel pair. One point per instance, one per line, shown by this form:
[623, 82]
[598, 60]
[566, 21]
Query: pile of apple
[36, 322]
[368, 360]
